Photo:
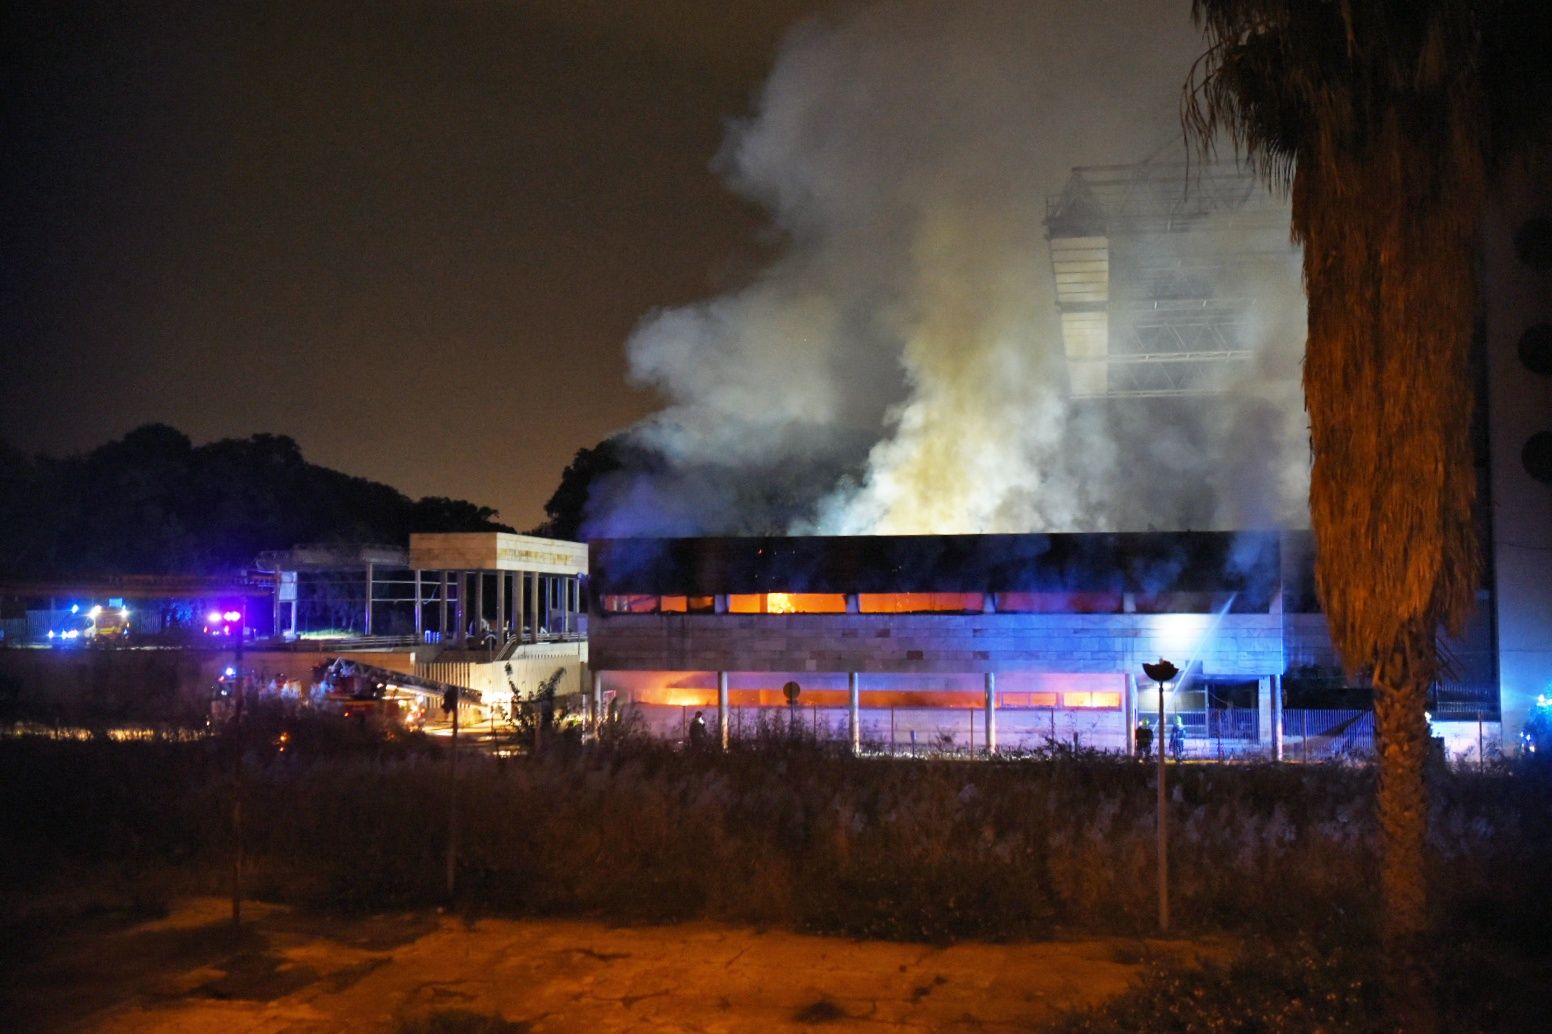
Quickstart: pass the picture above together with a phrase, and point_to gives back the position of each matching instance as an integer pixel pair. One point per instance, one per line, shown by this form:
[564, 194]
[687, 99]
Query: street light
[1161, 672]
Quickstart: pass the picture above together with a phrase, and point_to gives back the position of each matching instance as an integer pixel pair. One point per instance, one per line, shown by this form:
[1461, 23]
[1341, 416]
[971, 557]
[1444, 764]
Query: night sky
[413, 236]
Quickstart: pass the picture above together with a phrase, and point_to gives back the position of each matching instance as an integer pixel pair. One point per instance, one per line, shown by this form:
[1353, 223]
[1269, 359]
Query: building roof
[1146, 562]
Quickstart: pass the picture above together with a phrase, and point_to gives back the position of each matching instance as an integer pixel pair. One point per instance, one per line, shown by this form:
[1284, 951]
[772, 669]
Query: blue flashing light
[231, 673]
[75, 608]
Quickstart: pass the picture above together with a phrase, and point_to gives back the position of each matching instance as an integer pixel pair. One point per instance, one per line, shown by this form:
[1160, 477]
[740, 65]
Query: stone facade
[1251, 645]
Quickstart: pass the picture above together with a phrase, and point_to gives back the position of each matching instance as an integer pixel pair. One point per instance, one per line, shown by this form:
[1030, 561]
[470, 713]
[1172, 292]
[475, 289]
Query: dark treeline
[154, 503]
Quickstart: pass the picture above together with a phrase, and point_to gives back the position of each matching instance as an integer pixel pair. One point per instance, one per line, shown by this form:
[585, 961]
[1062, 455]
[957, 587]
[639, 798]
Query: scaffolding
[1159, 271]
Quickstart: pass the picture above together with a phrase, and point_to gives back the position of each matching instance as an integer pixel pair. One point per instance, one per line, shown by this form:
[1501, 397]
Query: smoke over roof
[899, 367]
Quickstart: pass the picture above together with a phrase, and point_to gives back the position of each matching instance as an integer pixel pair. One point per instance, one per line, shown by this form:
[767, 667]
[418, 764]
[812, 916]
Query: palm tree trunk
[1401, 727]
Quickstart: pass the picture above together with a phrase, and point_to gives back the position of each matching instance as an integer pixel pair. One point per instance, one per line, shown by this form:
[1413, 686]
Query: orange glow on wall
[698, 689]
[787, 603]
[920, 602]
[1100, 701]
[1029, 699]
[688, 604]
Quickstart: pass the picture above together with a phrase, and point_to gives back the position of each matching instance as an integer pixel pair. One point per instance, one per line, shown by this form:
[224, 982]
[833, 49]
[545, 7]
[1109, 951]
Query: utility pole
[237, 769]
[1161, 673]
[450, 701]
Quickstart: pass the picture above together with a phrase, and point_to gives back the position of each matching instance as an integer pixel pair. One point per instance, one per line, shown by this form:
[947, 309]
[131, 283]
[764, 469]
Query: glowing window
[920, 602]
[1110, 701]
[688, 604]
[787, 603]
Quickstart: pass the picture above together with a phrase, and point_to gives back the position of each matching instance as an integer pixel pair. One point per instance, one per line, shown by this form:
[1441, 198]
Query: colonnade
[474, 606]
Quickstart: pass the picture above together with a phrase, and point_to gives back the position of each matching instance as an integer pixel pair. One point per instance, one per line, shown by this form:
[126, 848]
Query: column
[565, 604]
[1277, 717]
[598, 700]
[519, 613]
[500, 609]
[854, 710]
[1129, 714]
[1264, 710]
[991, 713]
[366, 628]
[479, 604]
[461, 611]
[420, 618]
[441, 607]
[722, 709]
[533, 603]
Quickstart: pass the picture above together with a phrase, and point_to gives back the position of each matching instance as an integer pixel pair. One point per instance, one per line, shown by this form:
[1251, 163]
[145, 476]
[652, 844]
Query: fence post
[1304, 736]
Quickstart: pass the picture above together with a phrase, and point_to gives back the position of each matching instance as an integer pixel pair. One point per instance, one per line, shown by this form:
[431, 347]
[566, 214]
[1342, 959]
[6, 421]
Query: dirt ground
[289, 972]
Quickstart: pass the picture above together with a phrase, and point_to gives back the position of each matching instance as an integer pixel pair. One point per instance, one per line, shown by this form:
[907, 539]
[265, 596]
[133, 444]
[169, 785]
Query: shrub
[775, 832]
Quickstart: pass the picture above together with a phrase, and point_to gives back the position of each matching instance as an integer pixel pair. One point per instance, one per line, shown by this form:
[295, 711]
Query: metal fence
[1328, 735]
[1312, 736]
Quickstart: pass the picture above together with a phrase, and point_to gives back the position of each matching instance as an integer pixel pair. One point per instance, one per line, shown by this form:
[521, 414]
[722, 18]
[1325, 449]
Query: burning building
[996, 641]
[1179, 316]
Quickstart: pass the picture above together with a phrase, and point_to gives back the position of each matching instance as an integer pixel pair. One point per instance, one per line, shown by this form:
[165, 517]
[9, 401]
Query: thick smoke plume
[899, 367]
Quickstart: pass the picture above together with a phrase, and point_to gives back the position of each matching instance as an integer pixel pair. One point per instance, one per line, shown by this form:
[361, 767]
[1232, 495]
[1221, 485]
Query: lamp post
[1161, 672]
[239, 686]
[450, 703]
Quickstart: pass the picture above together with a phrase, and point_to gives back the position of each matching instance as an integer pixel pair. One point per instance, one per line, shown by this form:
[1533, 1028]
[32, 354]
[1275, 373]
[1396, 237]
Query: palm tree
[1385, 118]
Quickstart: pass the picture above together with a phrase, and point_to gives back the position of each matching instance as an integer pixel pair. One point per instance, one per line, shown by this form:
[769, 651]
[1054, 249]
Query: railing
[1467, 710]
[341, 643]
[1327, 735]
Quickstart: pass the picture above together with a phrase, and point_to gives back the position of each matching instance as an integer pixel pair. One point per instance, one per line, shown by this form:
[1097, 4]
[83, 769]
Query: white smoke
[899, 368]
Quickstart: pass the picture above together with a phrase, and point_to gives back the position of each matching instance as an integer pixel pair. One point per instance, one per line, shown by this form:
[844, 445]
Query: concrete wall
[1519, 406]
[531, 665]
[496, 551]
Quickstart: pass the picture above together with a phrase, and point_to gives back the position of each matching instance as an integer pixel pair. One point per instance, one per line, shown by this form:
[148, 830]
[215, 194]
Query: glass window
[631, 604]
